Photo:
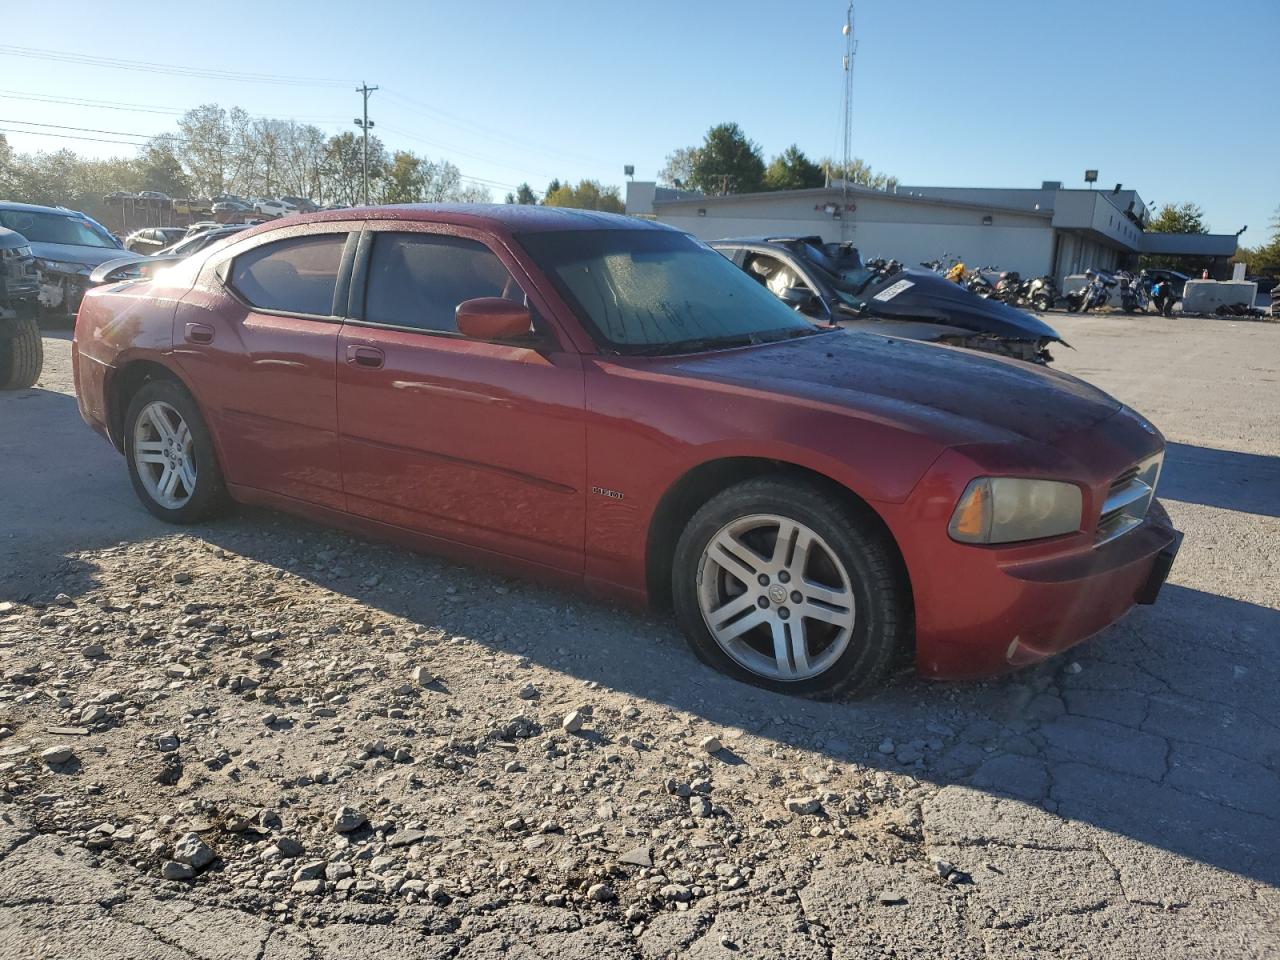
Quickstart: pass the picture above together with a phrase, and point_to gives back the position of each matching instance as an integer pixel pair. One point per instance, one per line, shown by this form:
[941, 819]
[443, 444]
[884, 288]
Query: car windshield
[56, 228]
[658, 291]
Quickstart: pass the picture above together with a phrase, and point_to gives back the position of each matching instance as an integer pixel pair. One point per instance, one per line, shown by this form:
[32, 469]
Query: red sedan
[607, 402]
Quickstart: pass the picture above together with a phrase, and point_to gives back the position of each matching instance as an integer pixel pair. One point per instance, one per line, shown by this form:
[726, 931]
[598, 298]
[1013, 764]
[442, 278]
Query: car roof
[503, 217]
[37, 208]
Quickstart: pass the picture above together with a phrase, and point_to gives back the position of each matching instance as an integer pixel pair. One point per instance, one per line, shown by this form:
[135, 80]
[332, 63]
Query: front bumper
[1012, 614]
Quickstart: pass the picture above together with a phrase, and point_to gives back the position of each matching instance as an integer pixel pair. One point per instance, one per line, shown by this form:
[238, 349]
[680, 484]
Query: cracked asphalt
[1122, 800]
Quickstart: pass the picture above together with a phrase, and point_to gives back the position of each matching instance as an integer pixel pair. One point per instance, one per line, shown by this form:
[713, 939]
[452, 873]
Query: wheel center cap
[777, 594]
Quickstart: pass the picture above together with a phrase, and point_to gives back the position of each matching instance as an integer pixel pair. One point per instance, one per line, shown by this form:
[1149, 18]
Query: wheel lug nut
[763, 579]
[783, 612]
[762, 602]
[796, 597]
[784, 576]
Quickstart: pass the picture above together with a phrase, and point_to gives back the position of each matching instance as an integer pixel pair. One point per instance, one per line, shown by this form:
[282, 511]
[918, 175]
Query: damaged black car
[829, 283]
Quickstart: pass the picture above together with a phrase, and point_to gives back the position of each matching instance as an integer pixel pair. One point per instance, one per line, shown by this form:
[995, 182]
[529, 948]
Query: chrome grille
[1128, 499]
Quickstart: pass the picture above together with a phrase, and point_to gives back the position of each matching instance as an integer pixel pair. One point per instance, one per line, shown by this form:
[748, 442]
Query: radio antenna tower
[850, 48]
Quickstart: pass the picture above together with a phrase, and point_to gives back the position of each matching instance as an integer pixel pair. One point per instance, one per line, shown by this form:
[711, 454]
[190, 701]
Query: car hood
[932, 297]
[955, 395]
[88, 257]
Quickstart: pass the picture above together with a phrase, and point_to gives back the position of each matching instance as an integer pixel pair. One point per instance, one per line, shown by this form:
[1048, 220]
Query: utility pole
[364, 123]
[850, 49]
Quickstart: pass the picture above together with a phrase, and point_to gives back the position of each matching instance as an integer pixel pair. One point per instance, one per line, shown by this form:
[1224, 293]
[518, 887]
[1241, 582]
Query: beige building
[1034, 231]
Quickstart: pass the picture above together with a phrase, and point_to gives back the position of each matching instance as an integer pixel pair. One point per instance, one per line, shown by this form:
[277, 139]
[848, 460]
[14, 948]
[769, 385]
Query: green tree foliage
[859, 172]
[727, 162]
[217, 151]
[678, 170]
[552, 187]
[524, 195]
[792, 170]
[587, 195]
[1178, 218]
[1264, 259]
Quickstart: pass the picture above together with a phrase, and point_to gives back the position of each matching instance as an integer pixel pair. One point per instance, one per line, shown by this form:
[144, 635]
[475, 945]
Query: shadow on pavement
[1161, 730]
[1247, 482]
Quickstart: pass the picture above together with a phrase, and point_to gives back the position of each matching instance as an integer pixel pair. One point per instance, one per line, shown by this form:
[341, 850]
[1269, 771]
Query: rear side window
[297, 275]
[417, 280]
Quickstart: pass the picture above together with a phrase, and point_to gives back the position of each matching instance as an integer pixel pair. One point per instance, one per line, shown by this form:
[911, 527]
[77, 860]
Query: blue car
[67, 246]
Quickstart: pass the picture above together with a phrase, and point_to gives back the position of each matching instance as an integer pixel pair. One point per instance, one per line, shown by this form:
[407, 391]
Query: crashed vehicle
[603, 401]
[829, 283]
[67, 246]
[134, 266]
[21, 350]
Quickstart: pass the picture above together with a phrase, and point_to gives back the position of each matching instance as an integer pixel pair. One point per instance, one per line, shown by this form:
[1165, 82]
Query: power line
[69, 136]
[441, 116]
[169, 69]
[91, 104]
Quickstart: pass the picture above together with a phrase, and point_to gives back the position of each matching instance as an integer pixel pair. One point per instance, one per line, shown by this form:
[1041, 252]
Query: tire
[190, 502]
[1041, 303]
[865, 609]
[22, 355]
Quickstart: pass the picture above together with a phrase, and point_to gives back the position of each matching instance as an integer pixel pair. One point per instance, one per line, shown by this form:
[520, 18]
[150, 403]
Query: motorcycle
[1009, 288]
[1042, 293]
[1133, 296]
[977, 283]
[1095, 293]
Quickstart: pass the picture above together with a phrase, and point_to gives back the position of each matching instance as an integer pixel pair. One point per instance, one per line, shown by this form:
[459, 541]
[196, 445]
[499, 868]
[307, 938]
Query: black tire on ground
[882, 596]
[1041, 304]
[210, 496]
[21, 355]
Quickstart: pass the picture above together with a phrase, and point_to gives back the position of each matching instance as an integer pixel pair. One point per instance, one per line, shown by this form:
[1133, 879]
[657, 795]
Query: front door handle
[199, 333]
[360, 356]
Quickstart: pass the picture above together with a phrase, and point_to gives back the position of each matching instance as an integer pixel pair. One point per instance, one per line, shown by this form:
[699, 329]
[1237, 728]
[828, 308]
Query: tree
[1179, 218]
[727, 162]
[587, 195]
[524, 195]
[552, 187]
[678, 170]
[792, 170]
[404, 181]
[160, 167]
[1263, 259]
[858, 171]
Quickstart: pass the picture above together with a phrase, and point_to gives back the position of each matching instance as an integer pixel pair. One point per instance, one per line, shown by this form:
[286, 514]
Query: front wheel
[21, 354]
[170, 454]
[780, 584]
[1041, 303]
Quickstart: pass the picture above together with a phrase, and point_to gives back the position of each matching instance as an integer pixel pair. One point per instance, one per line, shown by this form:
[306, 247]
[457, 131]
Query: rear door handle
[364, 356]
[199, 333]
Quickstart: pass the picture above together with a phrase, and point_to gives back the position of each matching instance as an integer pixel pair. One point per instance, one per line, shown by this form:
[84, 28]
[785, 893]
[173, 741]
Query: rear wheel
[778, 584]
[170, 454]
[21, 354]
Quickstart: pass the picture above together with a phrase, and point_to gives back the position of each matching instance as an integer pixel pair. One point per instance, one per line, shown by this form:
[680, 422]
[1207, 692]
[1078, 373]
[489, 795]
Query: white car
[273, 208]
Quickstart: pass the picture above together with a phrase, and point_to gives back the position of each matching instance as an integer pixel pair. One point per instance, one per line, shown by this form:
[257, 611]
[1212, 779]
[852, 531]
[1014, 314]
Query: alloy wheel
[164, 454]
[776, 597]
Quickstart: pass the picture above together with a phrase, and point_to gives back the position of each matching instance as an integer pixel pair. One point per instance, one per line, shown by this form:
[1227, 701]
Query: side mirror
[493, 318]
[798, 297]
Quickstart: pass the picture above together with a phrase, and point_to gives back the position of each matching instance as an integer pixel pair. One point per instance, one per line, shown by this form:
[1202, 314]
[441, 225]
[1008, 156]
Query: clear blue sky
[1175, 99]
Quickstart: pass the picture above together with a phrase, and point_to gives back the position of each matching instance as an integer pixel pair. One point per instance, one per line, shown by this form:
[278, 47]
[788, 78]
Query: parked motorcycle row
[1132, 293]
[1008, 286]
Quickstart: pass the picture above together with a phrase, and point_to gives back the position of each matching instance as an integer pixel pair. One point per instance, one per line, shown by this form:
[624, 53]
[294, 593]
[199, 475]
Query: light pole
[364, 124]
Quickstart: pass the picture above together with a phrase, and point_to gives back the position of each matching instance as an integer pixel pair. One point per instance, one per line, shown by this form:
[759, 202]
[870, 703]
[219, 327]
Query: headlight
[62, 266]
[17, 253]
[1010, 509]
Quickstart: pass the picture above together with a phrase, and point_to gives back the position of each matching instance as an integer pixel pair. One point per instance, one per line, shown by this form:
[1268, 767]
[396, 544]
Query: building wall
[890, 226]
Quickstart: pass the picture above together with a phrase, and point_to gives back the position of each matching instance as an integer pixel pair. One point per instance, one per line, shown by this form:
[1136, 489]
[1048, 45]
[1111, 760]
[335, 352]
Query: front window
[56, 228]
[659, 291]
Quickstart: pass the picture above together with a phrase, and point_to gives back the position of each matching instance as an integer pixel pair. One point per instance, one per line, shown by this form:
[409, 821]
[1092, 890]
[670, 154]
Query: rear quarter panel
[116, 325]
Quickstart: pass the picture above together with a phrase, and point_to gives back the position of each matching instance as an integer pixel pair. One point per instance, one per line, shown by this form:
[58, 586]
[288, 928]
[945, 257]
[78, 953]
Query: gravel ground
[262, 739]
